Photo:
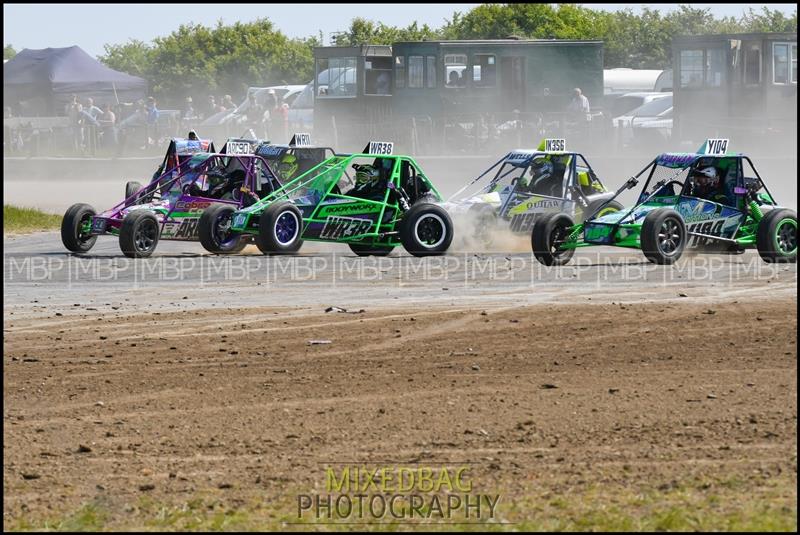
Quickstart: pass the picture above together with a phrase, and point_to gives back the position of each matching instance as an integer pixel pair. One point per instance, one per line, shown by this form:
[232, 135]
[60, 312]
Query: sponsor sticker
[239, 220]
[99, 225]
[337, 227]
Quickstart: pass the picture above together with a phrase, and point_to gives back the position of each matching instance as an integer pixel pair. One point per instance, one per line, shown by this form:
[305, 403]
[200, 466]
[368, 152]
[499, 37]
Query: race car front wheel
[279, 229]
[776, 237]
[215, 232]
[663, 236]
[426, 230]
[138, 235]
[370, 250]
[550, 232]
[76, 227]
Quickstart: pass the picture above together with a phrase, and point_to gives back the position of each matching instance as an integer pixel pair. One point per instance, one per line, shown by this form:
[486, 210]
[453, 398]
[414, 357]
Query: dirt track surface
[545, 401]
[163, 392]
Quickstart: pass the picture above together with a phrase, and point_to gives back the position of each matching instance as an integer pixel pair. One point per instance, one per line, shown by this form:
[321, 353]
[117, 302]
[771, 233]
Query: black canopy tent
[42, 82]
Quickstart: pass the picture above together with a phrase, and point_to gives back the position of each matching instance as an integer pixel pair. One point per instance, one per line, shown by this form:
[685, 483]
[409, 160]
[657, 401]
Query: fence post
[335, 133]
[414, 140]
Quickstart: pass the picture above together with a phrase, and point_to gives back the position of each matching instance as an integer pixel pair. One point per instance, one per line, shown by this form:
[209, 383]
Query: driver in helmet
[705, 184]
[541, 174]
[367, 181]
[287, 167]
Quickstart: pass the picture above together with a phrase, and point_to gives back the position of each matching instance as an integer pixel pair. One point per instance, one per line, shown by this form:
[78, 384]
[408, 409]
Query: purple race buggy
[171, 205]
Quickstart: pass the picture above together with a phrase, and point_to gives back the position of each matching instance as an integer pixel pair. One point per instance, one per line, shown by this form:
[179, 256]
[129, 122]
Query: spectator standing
[228, 103]
[579, 106]
[109, 126]
[91, 110]
[74, 109]
[152, 119]
[281, 119]
[255, 115]
[271, 105]
[211, 107]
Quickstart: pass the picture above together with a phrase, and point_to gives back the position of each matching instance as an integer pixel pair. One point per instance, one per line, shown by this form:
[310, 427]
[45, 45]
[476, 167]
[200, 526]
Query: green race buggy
[711, 201]
[395, 205]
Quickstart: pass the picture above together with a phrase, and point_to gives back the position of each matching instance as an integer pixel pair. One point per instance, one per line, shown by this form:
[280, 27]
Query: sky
[90, 26]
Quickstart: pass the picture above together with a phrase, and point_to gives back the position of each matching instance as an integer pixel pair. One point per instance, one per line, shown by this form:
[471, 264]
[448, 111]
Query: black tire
[280, 229]
[370, 250]
[484, 219]
[547, 233]
[663, 236]
[215, 233]
[131, 188]
[139, 233]
[776, 236]
[72, 236]
[613, 206]
[426, 230]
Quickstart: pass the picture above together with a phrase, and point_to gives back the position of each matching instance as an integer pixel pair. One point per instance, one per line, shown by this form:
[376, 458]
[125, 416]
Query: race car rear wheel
[549, 232]
[426, 230]
[776, 237]
[484, 221]
[138, 235]
[215, 232]
[280, 229]
[75, 228]
[370, 250]
[607, 208]
[663, 236]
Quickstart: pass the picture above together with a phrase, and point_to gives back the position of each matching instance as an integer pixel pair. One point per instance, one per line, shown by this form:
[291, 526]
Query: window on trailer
[691, 68]
[455, 66]
[377, 76]
[416, 71]
[752, 65]
[430, 71]
[702, 67]
[784, 63]
[484, 70]
[400, 71]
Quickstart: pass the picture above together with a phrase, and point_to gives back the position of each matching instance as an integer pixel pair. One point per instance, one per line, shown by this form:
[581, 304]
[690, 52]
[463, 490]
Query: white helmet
[710, 172]
[707, 176]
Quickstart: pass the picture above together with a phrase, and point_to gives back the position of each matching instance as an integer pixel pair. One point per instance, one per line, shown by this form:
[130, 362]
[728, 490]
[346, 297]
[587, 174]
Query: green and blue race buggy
[712, 201]
[526, 184]
[397, 206]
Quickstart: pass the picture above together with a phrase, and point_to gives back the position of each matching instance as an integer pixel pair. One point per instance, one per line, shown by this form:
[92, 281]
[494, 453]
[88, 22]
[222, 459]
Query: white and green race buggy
[526, 184]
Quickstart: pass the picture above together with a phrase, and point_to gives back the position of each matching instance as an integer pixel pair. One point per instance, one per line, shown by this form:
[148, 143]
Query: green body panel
[319, 184]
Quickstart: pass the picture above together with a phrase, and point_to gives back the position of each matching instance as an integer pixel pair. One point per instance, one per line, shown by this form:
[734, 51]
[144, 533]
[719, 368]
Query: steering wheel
[671, 183]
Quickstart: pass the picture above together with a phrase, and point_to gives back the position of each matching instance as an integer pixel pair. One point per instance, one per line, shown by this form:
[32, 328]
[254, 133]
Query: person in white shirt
[579, 106]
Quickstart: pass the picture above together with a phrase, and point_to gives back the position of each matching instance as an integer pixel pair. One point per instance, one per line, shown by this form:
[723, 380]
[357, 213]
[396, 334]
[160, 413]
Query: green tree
[363, 31]
[9, 52]
[133, 57]
[768, 20]
[195, 59]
